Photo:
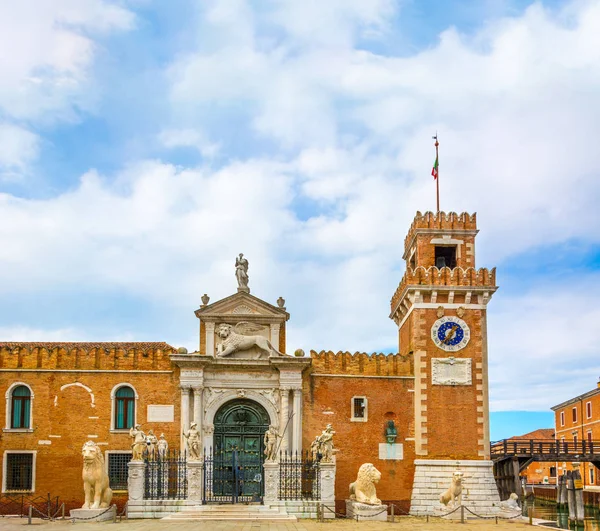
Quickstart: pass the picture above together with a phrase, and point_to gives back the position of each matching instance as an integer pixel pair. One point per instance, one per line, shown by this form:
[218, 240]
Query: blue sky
[143, 144]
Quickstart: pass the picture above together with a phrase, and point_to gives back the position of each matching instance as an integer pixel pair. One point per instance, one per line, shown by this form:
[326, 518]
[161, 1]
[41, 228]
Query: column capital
[209, 326]
[185, 388]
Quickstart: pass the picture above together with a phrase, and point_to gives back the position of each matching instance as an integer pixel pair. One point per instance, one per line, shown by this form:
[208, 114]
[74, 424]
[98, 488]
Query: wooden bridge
[512, 456]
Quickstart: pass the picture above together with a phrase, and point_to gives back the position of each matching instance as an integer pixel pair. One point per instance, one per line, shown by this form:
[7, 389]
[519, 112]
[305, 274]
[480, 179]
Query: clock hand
[450, 334]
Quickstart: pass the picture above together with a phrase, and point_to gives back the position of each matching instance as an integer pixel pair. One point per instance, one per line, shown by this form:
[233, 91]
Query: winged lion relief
[243, 337]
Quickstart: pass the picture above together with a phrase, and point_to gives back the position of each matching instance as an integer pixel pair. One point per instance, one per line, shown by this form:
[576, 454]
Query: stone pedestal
[434, 477]
[271, 482]
[135, 480]
[327, 471]
[364, 512]
[93, 515]
[195, 480]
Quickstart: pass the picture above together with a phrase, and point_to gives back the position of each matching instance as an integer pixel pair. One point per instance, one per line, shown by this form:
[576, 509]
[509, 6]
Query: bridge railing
[534, 447]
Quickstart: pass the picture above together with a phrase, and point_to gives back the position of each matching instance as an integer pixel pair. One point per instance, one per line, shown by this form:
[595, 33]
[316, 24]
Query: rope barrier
[404, 513]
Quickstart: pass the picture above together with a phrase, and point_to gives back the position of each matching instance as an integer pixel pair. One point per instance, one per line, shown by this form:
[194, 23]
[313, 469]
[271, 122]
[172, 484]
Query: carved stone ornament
[440, 311]
[238, 338]
[241, 393]
[451, 371]
[242, 309]
[272, 395]
[210, 395]
[460, 311]
[209, 429]
[205, 298]
[281, 302]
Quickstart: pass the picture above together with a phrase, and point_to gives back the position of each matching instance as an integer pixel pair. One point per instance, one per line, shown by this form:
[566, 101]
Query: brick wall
[66, 415]
[387, 384]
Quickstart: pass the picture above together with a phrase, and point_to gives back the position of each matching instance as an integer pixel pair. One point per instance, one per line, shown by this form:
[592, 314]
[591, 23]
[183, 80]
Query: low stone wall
[433, 477]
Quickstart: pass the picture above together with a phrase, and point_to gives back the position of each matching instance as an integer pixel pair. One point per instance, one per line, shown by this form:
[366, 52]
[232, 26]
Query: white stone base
[433, 477]
[156, 508]
[81, 516]
[363, 512]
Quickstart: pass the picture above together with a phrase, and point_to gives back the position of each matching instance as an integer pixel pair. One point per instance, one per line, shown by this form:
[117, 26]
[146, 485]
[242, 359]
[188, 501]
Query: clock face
[450, 333]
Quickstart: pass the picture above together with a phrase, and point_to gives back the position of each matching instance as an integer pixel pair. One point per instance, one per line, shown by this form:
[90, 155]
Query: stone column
[327, 471]
[135, 480]
[271, 482]
[297, 421]
[210, 339]
[195, 480]
[275, 335]
[284, 424]
[198, 413]
[185, 413]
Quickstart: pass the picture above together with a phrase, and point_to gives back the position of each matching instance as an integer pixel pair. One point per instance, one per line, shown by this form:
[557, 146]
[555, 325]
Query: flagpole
[437, 179]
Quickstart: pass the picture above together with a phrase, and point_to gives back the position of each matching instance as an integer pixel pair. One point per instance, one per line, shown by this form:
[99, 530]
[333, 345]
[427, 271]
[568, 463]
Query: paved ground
[401, 524]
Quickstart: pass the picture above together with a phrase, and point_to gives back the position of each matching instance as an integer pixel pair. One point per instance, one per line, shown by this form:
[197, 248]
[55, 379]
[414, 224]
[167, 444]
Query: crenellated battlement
[432, 276]
[361, 363]
[86, 356]
[441, 221]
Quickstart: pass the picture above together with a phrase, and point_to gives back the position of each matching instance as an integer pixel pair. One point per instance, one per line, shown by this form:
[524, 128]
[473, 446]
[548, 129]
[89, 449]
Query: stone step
[230, 512]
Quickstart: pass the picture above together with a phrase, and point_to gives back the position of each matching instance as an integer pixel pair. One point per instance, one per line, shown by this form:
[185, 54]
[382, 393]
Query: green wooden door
[240, 426]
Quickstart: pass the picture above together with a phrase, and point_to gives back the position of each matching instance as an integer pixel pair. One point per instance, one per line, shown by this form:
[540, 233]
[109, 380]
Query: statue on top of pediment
[241, 273]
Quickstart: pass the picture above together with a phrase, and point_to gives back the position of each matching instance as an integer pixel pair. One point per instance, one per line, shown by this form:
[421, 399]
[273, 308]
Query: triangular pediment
[242, 305]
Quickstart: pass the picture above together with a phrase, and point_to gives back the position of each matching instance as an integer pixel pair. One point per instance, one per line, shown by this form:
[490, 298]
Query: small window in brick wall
[117, 469]
[19, 472]
[359, 409]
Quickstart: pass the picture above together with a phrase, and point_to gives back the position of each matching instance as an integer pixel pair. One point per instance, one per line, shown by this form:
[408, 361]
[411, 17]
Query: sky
[144, 144]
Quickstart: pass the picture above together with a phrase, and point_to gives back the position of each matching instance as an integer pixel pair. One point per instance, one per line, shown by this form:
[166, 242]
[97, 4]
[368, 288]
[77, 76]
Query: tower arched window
[124, 408]
[20, 407]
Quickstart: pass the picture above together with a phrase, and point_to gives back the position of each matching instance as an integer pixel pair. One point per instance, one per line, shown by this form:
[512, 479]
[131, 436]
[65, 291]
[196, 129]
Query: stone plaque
[161, 413]
[451, 371]
[391, 451]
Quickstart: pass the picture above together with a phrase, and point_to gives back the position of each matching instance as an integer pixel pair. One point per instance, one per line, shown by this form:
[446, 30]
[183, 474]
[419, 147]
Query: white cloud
[46, 64]
[543, 347]
[18, 147]
[173, 138]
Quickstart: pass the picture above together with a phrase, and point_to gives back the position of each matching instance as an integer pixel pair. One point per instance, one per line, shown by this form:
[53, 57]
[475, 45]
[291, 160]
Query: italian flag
[434, 171]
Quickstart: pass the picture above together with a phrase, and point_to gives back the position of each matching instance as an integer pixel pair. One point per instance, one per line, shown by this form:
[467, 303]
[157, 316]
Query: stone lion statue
[363, 489]
[512, 503]
[234, 339]
[95, 479]
[454, 494]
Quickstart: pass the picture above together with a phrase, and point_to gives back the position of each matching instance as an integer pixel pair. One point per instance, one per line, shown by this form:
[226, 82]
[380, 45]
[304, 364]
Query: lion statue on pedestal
[98, 494]
[363, 489]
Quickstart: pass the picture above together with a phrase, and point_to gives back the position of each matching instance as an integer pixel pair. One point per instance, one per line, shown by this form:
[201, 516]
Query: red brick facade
[73, 384]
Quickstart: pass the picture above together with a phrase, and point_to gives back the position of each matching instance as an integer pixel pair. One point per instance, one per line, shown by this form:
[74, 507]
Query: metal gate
[233, 477]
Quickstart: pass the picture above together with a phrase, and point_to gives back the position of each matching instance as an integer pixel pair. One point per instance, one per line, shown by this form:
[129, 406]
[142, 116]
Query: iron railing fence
[165, 476]
[299, 477]
[18, 504]
[233, 476]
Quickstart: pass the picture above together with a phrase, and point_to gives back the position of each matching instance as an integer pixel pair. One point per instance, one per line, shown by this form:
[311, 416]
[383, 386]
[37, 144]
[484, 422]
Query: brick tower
[440, 309]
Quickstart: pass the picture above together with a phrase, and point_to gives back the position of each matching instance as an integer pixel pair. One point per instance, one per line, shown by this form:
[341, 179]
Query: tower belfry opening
[445, 256]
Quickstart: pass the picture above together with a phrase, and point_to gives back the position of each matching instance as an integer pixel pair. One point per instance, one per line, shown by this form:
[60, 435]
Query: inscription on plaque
[394, 452]
[451, 371]
[161, 413]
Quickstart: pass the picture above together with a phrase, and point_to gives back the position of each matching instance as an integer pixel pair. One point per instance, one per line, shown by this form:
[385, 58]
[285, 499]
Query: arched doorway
[237, 471]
